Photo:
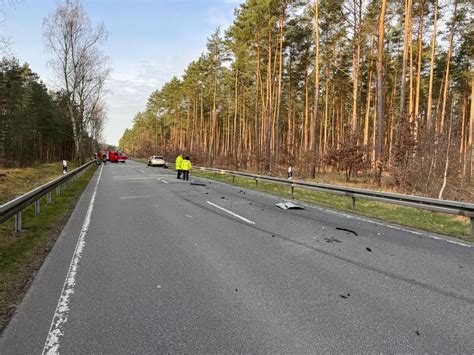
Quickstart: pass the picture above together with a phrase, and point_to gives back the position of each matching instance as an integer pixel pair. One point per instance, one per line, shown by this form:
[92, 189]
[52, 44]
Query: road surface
[151, 264]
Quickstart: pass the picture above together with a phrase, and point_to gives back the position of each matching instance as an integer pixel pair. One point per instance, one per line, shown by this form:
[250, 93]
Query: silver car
[157, 160]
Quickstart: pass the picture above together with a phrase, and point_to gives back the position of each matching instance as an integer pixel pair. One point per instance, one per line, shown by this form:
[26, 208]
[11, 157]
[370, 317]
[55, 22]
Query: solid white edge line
[61, 313]
[232, 213]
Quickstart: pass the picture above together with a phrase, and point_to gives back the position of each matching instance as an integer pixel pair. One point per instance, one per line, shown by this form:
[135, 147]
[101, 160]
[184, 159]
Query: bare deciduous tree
[80, 66]
[4, 40]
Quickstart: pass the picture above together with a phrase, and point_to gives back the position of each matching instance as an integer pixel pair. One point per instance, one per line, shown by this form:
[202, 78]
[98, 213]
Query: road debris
[346, 230]
[289, 206]
[197, 184]
[368, 249]
[332, 240]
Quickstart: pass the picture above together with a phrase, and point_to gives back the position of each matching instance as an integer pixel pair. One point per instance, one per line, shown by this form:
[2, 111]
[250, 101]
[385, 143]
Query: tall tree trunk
[280, 76]
[380, 133]
[430, 85]
[369, 91]
[418, 71]
[448, 62]
[316, 83]
[446, 165]
[406, 47]
[234, 128]
[470, 142]
[356, 64]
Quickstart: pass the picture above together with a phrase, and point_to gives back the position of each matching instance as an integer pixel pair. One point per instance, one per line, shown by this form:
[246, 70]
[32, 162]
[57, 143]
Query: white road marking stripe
[142, 171]
[56, 330]
[164, 181]
[230, 212]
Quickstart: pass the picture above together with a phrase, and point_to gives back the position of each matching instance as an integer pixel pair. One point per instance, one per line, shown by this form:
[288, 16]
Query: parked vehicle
[116, 156]
[157, 160]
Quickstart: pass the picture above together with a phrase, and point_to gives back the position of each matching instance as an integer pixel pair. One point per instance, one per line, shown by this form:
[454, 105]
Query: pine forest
[376, 90]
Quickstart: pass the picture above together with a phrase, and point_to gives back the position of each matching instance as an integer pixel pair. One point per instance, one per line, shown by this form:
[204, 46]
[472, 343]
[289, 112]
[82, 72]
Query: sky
[148, 42]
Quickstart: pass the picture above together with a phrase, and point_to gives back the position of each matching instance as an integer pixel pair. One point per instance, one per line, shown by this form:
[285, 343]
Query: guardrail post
[292, 191]
[58, 190]
[472, 225]
[49, 198]
[37, 207]
[233, 178]
[353, 202]
[18, 222]
[256, 182]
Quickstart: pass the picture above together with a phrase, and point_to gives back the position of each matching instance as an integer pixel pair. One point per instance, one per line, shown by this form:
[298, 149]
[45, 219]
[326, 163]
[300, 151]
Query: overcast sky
[149, 41]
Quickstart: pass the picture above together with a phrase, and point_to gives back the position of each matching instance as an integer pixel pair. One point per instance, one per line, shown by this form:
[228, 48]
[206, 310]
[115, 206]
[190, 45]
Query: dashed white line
[164, 181]
[232, 213]
[56, 330]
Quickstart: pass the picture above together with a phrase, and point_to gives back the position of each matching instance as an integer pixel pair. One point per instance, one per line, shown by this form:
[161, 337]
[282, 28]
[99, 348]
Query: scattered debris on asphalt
[417, 332]
[332, 240]
[198, 184]
[288, 206]
[346, 230]
[345, 296]
[273, 235]
[368, 249]
[223, 197]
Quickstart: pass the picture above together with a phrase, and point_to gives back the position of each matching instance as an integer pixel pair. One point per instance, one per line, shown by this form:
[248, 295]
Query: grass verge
[17, 181]
[21, 254]
[454, 226]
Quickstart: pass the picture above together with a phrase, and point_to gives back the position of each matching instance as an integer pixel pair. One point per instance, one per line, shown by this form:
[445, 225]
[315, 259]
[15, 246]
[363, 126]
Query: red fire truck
[114, 156]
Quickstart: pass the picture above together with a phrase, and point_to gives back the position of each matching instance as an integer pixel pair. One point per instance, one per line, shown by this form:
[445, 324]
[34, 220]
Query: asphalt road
[151, 264]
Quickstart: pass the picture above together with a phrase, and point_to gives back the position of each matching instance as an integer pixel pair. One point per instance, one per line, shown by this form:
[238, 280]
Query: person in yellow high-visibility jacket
[186, 166]
[179, 161]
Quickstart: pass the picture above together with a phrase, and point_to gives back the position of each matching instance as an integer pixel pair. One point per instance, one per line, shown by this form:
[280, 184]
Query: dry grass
[17, 181]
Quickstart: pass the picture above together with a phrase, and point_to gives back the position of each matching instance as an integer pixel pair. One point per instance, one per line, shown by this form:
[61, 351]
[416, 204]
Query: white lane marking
[164, 181]
[232, 213]
[56, 330]
[142, 171]
[391, 226]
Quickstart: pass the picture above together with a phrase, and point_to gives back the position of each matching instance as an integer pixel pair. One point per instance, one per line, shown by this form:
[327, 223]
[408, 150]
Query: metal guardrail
[17, 205]
[436, 205]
